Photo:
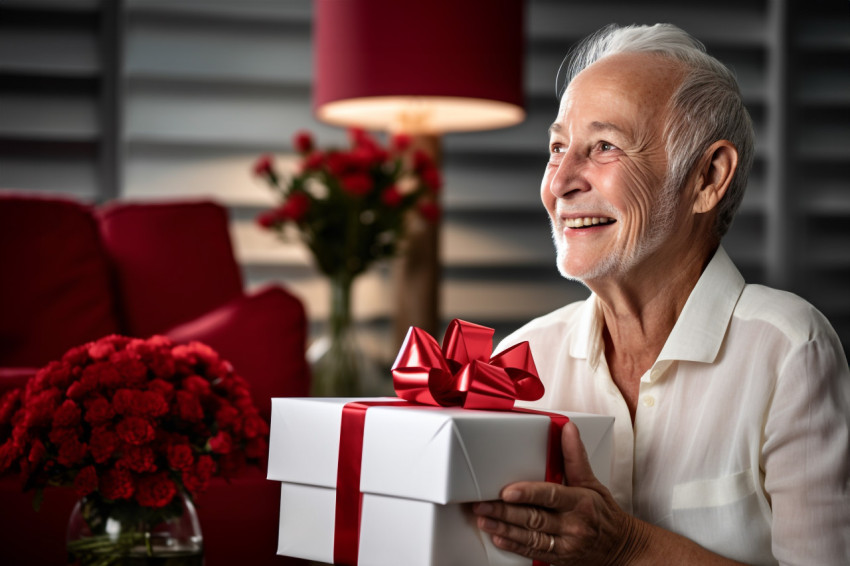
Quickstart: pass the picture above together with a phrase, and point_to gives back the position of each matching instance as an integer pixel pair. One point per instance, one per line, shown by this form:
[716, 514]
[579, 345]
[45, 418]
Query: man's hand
[579, 523]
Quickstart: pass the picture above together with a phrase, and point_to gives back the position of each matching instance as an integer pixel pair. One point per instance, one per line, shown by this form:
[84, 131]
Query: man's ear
[716, 169]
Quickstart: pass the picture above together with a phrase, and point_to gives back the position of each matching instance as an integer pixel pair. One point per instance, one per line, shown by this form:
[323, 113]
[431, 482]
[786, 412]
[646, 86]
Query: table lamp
[424, 69]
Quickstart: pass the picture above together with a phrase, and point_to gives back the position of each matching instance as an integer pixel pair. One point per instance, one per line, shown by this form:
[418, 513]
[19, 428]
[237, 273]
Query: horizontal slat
[61, 51]
[188, 49]
[52, 116]
[66, 175]
[738, 25]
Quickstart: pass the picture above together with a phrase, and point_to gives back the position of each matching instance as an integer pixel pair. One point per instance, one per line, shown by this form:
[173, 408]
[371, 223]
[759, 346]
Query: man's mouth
[587, 221]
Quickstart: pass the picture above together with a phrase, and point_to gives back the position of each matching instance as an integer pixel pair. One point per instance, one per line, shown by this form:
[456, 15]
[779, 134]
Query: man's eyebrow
[600, 126]
[595, 126]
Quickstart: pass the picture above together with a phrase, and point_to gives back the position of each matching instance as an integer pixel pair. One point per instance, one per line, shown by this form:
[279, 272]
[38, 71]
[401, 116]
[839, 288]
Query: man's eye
[605, 146]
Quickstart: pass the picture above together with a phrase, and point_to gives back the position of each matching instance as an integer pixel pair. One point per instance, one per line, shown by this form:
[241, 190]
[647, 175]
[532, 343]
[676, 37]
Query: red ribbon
[461, 374]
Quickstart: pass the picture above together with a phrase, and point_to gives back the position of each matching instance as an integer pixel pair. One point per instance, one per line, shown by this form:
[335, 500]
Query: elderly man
[732, 401]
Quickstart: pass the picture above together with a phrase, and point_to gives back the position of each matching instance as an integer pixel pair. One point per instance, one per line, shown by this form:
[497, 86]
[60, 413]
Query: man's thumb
[577, 470]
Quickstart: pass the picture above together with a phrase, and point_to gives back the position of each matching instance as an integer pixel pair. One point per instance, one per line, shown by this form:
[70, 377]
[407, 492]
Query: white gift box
[420, 467]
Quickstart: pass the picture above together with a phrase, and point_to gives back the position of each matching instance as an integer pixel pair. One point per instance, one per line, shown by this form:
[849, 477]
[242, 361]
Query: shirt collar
[699, 330]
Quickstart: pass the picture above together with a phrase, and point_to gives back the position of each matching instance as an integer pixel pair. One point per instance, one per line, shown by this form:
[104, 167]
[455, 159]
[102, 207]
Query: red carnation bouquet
[131, 422]
[348, 205]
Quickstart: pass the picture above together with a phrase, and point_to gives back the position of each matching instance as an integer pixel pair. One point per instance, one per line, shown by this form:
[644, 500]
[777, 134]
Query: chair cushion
[264, 336]
[173, 262]
[55, 291]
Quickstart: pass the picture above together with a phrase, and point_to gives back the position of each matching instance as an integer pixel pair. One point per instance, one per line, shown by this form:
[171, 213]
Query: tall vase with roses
[138, 428]
[348, 206]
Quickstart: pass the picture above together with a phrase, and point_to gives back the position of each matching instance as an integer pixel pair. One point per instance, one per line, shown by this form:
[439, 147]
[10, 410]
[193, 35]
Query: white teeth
[586, 221]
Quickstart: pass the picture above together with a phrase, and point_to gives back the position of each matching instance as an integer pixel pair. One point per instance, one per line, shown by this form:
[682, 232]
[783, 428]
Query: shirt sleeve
[806, 455]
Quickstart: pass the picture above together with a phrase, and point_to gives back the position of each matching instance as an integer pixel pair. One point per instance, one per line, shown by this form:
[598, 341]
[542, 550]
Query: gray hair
[706, 107]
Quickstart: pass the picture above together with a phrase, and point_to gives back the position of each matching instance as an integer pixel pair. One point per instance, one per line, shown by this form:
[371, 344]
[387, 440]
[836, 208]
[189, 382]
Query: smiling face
[604, 185]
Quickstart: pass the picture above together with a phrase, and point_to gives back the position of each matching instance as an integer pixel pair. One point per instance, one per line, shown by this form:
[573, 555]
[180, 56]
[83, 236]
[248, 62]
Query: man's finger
[577, 470]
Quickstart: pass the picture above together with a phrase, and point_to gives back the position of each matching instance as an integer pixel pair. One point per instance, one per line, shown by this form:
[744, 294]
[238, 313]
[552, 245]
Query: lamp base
[417, 271]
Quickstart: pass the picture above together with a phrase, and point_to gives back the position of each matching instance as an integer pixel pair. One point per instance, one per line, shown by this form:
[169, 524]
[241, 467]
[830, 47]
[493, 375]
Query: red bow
[462, 373]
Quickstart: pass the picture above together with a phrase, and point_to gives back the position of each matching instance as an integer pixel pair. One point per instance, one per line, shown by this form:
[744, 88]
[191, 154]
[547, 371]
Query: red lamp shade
[422, 67]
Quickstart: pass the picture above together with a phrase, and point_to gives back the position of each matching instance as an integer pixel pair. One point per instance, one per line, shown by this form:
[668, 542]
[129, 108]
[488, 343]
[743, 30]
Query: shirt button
[648, 401]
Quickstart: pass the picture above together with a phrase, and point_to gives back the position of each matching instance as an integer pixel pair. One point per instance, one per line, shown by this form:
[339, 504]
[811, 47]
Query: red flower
[85, 481]
[338, 163]
[180, 456]
[117, 483]
[357, 184]
[138, 459]
[221, 443]
[189, 407]
[67, 415]
[263, 166]
[102, 444]
[257, 447]
[98, 411]
[313, 162]
[71, 451]
[156, 490]
[303, 142]
[135, 430]
[295, 207]
[401, 142]
[391, 196]
[267, 219]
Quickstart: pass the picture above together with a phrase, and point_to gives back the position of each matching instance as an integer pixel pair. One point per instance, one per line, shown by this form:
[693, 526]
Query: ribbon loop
[462, 372]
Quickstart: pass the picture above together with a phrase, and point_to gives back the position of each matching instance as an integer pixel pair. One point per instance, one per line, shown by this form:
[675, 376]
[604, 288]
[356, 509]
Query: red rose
[165, 389]
[40, 407]
[180, 456]
[338, 163]
[227, 416]
[401, 142]
[357, 184]
[102, 374]
[135, 430]
[359, 136]
[263, 166]
[102, 444]
[61, 434]
[10, 451]
[58, 374]
[124, 400]
[296, 207]
[67, 415]
[138, 459]
[117, 483]
[221, 443]
[71, 451]
[391, 196]
[313, 162]
[85, 481]
[267, 219]
[98, 411]
[302, 141]
[152, 404]
[197, 385]
[101, 349]
[254, 425]
[155, 490]
[76, 356]
[189, 406]
[10, 402]
[37, 452]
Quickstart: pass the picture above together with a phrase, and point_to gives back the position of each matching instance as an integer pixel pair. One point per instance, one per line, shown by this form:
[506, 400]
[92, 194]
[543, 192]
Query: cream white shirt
[741, 436]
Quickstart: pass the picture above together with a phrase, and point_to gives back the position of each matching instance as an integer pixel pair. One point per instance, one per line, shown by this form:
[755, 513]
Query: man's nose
[569, 177]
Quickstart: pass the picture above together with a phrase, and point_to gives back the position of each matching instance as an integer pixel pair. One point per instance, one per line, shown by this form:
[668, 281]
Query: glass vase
[123, 533]
[337, 361]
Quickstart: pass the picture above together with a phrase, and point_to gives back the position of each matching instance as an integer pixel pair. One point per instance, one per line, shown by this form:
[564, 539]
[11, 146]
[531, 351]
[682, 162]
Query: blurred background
[157, 99]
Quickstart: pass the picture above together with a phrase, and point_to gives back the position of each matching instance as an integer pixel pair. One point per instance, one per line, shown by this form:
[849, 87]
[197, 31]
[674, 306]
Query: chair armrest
[264, 336]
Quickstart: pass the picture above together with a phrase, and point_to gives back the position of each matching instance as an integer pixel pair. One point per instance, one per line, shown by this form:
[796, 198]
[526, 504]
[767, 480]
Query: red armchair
[72, 273]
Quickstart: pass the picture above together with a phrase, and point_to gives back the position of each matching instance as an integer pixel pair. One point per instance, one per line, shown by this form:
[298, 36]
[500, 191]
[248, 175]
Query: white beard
[661, 227]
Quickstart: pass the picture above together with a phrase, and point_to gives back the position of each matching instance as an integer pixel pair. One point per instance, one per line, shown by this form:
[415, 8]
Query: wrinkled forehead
[634, 82]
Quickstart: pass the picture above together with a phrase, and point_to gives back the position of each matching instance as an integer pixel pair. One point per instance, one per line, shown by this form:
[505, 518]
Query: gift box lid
[441, 455]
